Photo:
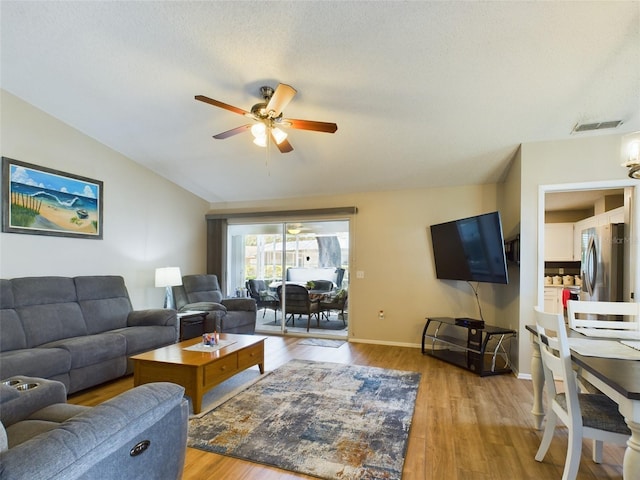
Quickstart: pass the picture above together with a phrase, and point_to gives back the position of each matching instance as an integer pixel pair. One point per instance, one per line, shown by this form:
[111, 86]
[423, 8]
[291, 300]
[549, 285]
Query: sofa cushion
[35, 362]
[47, 323]
[202, 288]
[26, 430]
[48, 309]
[13, 337]
[91, 349]
[6, 294]
[204, 307]
[43, 290]
[43, 420]
[104, 302]
[142, 339]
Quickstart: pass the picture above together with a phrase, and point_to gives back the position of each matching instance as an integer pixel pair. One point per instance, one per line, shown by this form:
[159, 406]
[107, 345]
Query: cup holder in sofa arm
[25, 387]
[11, 383]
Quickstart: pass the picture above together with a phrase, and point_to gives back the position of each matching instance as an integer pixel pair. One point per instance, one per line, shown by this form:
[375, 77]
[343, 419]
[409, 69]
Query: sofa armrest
[240, 304]
[150, 420]
[153, 316]
[17, 405]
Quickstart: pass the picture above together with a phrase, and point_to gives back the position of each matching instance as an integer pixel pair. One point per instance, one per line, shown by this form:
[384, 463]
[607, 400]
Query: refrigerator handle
[591, 267]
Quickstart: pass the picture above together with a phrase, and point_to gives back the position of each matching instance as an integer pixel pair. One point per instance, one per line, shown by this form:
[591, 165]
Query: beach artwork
[42, 201]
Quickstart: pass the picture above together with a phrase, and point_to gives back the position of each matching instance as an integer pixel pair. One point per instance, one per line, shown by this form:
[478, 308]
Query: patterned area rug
[327, 420]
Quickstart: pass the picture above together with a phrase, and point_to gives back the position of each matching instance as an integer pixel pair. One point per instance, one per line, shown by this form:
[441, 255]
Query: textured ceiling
[424, 93]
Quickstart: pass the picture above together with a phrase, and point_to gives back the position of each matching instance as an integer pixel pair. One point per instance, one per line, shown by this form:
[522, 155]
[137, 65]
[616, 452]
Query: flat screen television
[470, 249]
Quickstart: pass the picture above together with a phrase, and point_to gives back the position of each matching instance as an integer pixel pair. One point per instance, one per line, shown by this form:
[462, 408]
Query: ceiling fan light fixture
[630, 153]
[259, 130]
[278, 135]
[261, 141]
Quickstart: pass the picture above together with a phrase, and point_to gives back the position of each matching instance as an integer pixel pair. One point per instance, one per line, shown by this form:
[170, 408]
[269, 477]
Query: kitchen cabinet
[558, 242]
[553, 299]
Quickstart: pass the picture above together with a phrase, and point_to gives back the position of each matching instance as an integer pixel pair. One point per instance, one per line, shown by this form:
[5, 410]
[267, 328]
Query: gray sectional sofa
[141, 433]
[79, 331]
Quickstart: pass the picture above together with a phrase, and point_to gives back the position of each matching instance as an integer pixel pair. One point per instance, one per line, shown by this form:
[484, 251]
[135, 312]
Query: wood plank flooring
[463, 427]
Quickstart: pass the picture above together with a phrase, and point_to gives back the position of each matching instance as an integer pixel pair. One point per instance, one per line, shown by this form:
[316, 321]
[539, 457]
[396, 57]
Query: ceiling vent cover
[588, 127]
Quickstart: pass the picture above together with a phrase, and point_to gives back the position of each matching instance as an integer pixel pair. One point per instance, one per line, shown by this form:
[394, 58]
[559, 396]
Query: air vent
[588, 127]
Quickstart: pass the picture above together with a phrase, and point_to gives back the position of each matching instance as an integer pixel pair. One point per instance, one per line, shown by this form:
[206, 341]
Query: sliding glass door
[291, 253]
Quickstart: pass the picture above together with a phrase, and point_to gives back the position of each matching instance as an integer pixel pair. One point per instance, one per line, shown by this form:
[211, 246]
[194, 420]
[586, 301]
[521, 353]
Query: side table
[191, 324]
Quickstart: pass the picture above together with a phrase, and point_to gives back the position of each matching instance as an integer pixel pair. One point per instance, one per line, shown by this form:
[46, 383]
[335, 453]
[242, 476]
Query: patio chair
[297, 301]
[259, 291]
[338, 301]
[587, 415]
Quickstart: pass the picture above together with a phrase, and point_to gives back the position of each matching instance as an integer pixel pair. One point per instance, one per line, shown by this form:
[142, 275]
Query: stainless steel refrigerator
[601, 266]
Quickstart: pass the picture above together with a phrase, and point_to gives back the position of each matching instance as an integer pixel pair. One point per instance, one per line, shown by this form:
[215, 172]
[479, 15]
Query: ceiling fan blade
[284, 146]
[232, 132]
[216, 103]
[281, 98]
[325, 127]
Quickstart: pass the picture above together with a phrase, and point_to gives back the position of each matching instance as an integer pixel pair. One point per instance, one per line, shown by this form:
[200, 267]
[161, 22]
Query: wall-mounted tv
[470, 249]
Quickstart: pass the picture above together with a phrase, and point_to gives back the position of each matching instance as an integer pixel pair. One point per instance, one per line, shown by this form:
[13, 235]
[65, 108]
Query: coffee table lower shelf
[198, 372]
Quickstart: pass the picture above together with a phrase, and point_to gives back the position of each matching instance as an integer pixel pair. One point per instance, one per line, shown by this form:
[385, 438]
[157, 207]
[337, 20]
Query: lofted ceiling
[424, 93]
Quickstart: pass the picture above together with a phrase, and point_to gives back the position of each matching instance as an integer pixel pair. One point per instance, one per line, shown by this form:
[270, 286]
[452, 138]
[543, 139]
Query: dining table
[617, 378]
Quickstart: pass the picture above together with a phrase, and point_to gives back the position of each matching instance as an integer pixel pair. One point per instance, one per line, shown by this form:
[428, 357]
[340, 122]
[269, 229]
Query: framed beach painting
[43, 201]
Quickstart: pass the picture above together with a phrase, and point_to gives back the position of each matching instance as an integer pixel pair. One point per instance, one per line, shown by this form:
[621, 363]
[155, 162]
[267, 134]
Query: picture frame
[43, 201]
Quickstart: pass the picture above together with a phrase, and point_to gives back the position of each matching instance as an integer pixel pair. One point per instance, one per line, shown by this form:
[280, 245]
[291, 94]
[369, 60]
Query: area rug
[322, 342]
[327, 420]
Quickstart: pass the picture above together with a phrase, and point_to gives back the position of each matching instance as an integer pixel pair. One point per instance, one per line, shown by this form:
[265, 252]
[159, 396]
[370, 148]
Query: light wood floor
[463, 427]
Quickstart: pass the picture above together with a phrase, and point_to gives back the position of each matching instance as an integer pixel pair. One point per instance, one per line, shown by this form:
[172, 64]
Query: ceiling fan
[268, 118]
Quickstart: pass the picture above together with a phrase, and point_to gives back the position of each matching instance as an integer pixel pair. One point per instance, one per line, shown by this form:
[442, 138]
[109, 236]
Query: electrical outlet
[359, 274]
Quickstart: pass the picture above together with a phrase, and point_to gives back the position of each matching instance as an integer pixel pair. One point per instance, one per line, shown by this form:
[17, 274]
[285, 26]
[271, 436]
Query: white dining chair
[630, 310]
[586, 415]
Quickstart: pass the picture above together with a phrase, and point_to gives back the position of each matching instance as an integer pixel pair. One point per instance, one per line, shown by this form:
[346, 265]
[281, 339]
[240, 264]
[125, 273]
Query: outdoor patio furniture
[337, 301]
[296, 301]
[259, 291]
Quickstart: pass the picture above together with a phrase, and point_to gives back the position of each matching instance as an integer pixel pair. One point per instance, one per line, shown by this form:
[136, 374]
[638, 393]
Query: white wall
[148, 221]
[392, 246]
[582, 160]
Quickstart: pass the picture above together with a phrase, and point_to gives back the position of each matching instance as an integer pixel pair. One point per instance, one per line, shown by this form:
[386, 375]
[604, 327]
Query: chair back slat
[577, 310]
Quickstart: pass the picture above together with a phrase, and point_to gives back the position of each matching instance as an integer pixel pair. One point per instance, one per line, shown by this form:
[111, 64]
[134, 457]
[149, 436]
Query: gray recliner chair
[226, 315]
[141, 433]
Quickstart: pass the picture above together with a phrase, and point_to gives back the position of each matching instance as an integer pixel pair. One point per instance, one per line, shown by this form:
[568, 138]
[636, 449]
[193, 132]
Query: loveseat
[141, 433]
[79, 331]
[226, 315]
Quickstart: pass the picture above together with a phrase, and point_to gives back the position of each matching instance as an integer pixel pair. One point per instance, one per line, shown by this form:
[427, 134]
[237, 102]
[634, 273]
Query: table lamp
[168, 277]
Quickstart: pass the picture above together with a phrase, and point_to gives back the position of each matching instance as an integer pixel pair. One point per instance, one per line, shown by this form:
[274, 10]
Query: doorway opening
[263, 259]
[566, 214]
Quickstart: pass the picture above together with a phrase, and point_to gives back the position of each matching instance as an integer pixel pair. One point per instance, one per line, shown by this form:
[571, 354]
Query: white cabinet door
[552, 299]
[558, 242]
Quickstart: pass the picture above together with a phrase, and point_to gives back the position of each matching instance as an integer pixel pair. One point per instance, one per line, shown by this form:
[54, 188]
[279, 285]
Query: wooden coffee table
[199, 371]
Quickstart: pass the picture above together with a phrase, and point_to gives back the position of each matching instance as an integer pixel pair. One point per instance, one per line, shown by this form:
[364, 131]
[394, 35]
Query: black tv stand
[483, 351]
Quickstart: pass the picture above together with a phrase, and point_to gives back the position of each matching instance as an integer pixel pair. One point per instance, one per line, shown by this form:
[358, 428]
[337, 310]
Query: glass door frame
[304, 256]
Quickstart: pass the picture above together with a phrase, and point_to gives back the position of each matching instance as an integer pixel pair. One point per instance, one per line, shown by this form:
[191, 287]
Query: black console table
[477, 347]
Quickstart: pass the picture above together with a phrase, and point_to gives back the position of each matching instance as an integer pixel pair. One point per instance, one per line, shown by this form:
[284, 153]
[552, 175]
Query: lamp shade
[168, 277]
